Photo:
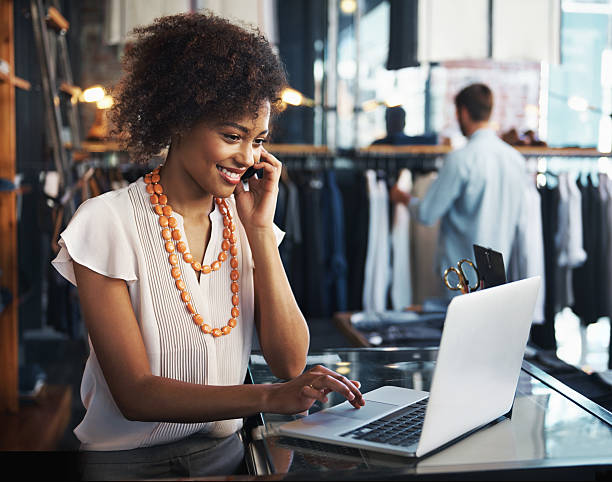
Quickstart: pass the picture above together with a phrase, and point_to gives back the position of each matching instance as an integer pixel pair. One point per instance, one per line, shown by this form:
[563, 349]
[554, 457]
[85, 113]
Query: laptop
[474, 382]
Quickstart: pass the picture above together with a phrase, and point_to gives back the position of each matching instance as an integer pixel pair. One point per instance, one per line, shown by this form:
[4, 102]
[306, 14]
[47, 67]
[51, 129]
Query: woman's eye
[232, 137]
[259, 142]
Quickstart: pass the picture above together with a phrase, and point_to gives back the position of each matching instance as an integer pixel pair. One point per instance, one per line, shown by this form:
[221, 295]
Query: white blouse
[117, 235]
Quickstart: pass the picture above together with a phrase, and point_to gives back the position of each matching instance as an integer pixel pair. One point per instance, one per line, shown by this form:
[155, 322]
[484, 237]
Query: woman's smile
[230, 175]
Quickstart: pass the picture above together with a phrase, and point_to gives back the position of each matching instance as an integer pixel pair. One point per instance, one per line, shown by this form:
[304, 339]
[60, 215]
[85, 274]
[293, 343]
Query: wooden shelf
[38, 425]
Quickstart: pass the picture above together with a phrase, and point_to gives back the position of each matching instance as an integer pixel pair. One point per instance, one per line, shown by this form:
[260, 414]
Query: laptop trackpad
[370, 410]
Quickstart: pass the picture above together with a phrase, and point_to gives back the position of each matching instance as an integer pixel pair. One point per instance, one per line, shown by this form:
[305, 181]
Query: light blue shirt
[478, 196]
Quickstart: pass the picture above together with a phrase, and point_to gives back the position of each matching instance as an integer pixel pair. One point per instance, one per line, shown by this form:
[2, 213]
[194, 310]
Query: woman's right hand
[299, 394]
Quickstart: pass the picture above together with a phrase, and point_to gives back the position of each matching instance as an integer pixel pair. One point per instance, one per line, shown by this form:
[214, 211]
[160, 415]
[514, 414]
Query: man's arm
[442, 193]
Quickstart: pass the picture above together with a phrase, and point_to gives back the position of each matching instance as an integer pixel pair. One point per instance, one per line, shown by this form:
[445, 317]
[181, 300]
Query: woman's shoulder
[112, 202]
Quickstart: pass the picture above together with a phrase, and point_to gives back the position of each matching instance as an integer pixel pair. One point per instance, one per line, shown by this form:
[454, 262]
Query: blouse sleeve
[96, 239]
[279, 233]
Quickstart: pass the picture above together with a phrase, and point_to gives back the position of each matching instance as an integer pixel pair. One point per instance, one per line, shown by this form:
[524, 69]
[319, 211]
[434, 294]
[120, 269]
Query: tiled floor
[583, 347]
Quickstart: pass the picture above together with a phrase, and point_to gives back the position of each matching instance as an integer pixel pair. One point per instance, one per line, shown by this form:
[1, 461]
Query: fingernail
[351, 396]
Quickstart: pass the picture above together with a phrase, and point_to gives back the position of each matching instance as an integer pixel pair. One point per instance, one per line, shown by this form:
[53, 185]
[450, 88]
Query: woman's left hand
[256, 206]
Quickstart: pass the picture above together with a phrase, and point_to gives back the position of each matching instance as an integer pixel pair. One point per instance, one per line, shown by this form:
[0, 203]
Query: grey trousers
[194, 456]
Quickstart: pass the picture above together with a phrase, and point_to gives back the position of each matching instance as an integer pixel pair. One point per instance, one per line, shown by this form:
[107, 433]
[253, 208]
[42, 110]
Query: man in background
[395, 120]
[479, 191]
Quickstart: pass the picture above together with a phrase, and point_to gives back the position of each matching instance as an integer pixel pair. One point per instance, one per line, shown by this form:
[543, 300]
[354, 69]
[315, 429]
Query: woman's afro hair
[188, 68]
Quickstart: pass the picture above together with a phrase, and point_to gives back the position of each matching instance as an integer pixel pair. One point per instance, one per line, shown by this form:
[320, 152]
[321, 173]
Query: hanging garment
[586, 279]
[292, 247]
[608, 225]
[568, 239]
[354, 191]
[377, 269]
[315, 300]
[401, 281]
[370, 266]
[332, 218]
[423, 241]
[543, 335]
[527, 259]
[382, 271]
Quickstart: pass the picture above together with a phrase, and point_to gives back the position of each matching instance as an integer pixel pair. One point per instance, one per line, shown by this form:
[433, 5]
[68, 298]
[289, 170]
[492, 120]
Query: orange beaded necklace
[172, 237]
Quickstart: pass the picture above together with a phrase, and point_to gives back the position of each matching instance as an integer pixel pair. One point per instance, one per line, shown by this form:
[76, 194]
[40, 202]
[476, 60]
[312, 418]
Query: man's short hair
[396, 119]
[477, 99]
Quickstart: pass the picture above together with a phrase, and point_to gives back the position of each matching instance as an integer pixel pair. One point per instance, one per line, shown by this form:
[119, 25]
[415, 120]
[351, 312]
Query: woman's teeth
[231, 175]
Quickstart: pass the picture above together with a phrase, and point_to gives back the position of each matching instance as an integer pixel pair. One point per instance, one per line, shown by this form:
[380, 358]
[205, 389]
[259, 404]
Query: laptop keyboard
[401, 428]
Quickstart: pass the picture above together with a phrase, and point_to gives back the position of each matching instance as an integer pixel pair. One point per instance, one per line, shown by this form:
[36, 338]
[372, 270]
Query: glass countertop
[551, 426]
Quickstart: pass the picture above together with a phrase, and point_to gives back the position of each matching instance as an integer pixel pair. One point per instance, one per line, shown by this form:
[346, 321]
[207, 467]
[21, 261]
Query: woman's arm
[281, 327]
[142, 396]
[282, 330]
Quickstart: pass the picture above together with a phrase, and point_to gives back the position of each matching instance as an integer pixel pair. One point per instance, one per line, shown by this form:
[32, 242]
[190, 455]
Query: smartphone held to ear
[250, 172]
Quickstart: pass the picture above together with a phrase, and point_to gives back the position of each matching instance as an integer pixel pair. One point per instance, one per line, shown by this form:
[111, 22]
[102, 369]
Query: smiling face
[215, 155]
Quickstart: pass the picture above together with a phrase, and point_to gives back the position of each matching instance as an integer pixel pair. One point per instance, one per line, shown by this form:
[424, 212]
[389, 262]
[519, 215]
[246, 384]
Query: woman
[176, 270]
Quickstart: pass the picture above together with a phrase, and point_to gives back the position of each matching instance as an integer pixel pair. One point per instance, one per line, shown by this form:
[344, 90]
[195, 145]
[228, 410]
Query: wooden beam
[9, 394]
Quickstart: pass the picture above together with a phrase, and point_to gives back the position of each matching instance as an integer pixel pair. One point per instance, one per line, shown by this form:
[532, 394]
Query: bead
[171, 235]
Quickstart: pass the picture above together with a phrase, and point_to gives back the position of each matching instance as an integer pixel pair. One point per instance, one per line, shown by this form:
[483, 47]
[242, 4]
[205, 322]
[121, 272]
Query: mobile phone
[250, 172]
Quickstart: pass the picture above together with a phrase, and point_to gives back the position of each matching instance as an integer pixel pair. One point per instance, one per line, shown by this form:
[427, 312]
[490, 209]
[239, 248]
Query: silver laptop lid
[479, 361]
